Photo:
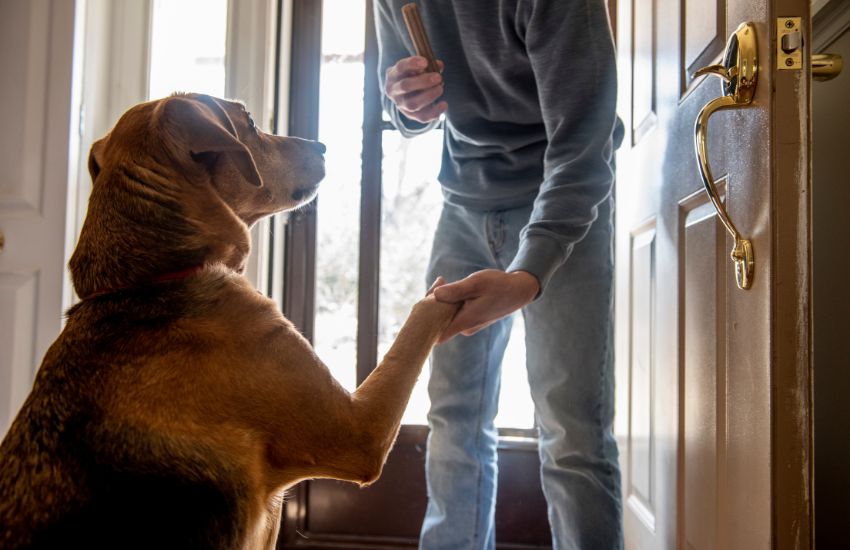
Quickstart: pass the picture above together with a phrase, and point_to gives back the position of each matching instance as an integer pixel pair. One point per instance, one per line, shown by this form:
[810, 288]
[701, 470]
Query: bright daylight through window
[188, 42]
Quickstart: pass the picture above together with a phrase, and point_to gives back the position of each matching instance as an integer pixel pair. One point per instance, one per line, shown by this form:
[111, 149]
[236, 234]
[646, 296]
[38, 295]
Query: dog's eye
[251, 124]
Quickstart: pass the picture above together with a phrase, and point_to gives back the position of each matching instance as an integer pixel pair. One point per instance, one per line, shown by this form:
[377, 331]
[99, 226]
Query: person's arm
[402, 76]
[572, 55]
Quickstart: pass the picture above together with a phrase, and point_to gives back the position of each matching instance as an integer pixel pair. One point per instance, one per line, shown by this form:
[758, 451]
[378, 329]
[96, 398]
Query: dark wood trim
[278, 68]
[791, 365]
[382, 543]
[370, 209]
[351, 517]
[305, 68]
[299, 266]
[299, 290]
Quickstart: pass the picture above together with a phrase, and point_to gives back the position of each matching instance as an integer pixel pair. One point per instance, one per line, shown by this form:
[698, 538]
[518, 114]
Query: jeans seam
[478, 434]
[600, 393]
[494, 227]
[603, 379]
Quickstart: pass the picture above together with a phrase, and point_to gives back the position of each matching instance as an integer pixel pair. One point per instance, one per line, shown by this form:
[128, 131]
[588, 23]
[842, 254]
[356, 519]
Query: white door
[36, 48]
[713, 381]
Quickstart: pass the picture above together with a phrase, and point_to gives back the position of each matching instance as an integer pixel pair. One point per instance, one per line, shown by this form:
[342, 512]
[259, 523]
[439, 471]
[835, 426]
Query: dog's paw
[435, 312]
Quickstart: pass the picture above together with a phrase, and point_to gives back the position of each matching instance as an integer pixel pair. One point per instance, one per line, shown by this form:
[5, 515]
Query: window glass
[411, 204]
[188, 43]
[410, 207]
[338, 215]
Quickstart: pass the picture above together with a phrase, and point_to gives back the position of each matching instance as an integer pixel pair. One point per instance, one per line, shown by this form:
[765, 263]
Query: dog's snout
[318, 146]
[303, 193]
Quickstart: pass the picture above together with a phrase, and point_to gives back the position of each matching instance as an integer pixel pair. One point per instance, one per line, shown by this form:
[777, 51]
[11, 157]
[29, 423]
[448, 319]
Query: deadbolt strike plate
[789, 43]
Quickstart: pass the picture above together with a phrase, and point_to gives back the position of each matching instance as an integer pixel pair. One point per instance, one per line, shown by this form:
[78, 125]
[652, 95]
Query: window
[338, 215]
[188, 42]
[410, 203]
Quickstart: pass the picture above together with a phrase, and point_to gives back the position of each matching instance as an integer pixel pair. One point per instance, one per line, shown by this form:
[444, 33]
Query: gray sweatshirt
[531, 89]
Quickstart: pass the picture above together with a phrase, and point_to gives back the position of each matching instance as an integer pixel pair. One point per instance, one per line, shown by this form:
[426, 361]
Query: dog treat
[417, 34]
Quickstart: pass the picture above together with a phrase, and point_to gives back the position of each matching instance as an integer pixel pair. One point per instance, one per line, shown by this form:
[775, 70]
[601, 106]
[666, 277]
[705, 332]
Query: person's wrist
[527, 282]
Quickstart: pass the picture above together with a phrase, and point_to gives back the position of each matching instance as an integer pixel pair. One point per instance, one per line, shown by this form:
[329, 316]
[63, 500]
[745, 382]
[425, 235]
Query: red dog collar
[173, 276]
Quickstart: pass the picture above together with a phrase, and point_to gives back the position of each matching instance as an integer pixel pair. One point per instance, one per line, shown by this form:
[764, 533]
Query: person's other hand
[487, 296]
[414, 91]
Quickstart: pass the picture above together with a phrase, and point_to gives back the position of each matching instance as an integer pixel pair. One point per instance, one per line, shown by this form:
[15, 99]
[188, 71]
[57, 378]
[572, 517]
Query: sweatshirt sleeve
[393, 46]
[571, 51]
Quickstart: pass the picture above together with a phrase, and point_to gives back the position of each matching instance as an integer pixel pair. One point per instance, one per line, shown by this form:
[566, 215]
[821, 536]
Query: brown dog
[178, 403]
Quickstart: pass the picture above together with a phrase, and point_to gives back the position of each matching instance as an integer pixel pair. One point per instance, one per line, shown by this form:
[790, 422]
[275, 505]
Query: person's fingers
[406, 67]
[457, 292]
[397, 89]
[427, 114]
[440, 66]
[414, 91]
[417, 101]
[467, 322]
[477, 328]
[458, 324]
[437, 283]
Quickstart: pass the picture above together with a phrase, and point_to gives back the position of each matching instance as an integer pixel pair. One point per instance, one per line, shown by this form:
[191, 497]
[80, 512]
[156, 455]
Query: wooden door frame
[791, 349]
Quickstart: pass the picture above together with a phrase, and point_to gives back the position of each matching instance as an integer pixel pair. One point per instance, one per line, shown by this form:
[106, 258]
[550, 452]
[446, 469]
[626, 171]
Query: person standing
[528, 92]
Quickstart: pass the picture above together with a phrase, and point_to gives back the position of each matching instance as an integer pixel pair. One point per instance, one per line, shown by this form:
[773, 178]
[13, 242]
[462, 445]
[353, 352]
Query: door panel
[703, 33]
[640, 491]
[712, 415]
[643, 68]
[17, 319]
[702, 379]
[36, 47]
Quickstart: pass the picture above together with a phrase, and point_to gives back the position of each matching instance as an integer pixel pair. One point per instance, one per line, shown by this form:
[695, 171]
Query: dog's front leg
[380, 401]
[313, 426]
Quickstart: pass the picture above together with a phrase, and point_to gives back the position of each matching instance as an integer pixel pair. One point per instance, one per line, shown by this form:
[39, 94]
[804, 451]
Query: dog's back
[72, 471]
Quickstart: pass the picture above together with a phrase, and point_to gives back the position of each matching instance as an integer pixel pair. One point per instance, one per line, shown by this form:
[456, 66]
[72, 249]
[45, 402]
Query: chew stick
[417, 34]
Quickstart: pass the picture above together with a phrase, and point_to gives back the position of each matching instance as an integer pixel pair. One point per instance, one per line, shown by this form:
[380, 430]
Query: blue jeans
[570, 372]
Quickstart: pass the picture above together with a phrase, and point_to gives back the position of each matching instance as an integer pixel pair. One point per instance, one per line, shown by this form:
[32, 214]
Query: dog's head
[216, 141]
[178, 181]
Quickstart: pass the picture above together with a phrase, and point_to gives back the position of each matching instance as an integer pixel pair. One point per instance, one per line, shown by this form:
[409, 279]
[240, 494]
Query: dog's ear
[94, 158]
[208, 129]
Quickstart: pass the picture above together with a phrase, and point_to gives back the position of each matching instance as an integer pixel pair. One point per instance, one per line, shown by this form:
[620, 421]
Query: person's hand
[414, 91]
[487, 296]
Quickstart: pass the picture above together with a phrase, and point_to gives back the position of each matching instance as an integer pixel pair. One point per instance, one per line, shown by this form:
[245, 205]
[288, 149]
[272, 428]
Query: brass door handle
[826, 66]
[739, 72]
